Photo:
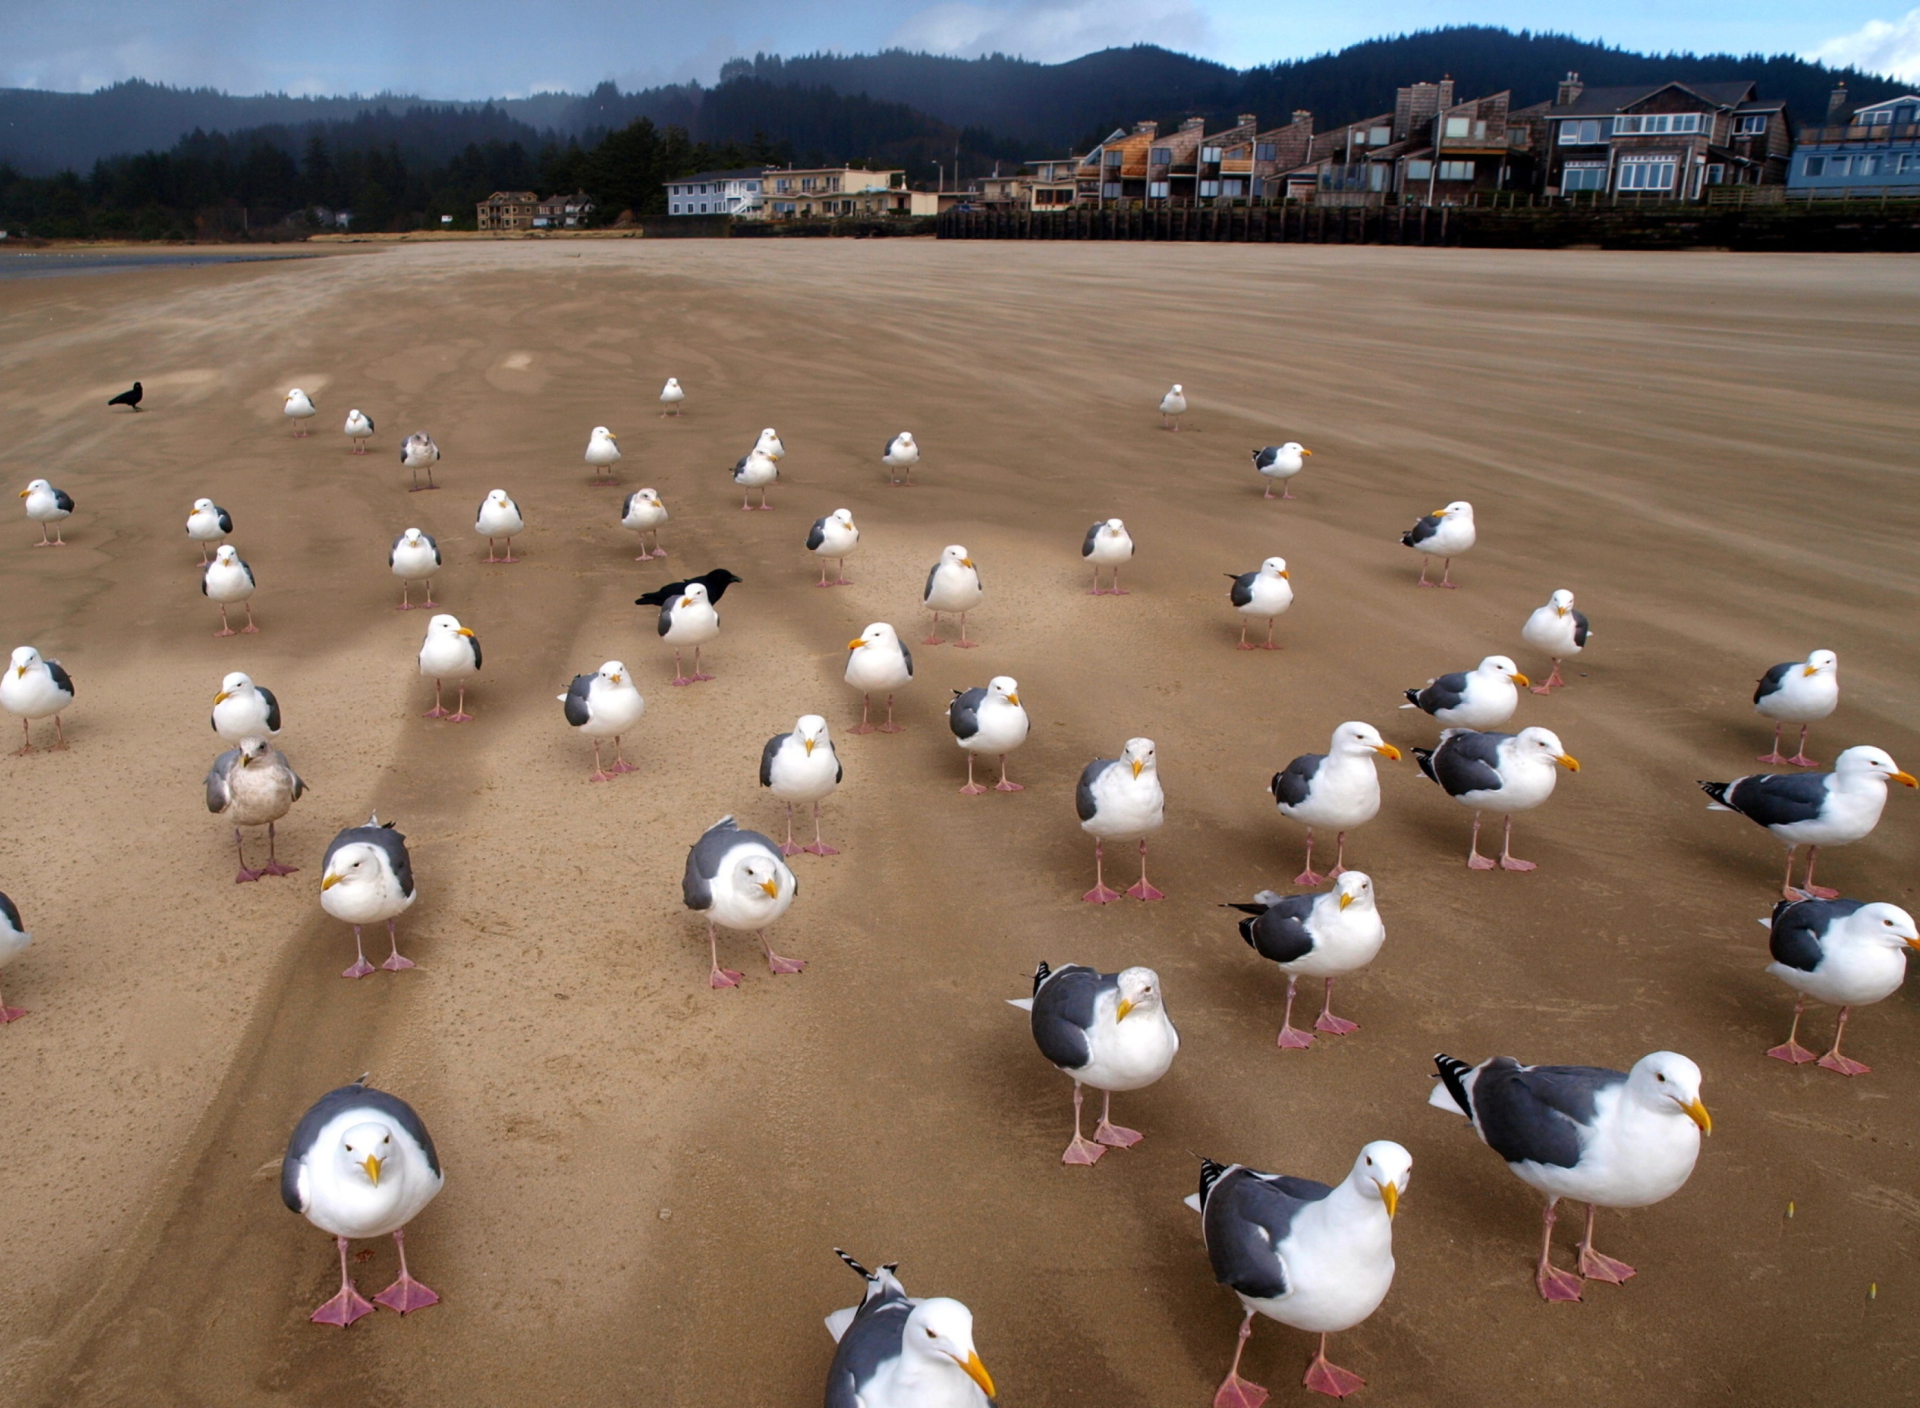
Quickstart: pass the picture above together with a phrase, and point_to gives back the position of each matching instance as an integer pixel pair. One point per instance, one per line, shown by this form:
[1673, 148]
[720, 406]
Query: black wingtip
[860, 1270]
[1413, 697]
[1716, 790]
[1210, 1172]
[1424, 757]
[1453, 1074]
[1040, 975]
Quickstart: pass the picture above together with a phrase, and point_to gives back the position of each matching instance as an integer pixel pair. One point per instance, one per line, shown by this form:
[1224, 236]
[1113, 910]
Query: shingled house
[508, 210]
[1665, 140]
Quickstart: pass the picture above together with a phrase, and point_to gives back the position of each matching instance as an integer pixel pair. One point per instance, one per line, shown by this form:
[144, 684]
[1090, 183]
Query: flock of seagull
[1313, 1256]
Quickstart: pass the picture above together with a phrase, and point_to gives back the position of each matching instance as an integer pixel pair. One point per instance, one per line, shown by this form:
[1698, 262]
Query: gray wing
[1083, 794]
[1279, 931]
[576, 704]
[62, 681]
[1247, 1216]
[1292, 784]
[930, 575]
[963, 715]
[273, 709]
[766, 757]
[1421, 531]
[1063, 1013]
[871, 1340]
[347, 1097]
[399, 539]
[248, 569]
[1241, 592]
[1579, 629]
[906, 657]
[219, 789]
[12, 913]
[1465, 761]
[1770, 683]
[1800, 925]
[1086, 548]
[1535, 1113]
[226, 519]
[666, 617]
[473, 642]
[703, 861]
[299, 783]
[1778, 799]
[1263, 458]
[817, 535]
[626, 504]
[1447, 692]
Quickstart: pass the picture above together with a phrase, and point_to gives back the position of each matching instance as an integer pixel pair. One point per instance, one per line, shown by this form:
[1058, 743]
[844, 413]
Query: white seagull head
[953, 555]
[232, 685]
[226, 556]
[941, 1329]
[614, 672]
[1113, 528]
[1138, 756]
[1501, 665]
[1882, 923]
[1459, 508]
[444, 625]
[364, 1153]
[1561, 602]
[1668, 1082]
[1875, 762]
[879, 634]
[842, 516]
[1275, 567]
[1354, 738]
[769, 445]
[811, 730]
[413, 538]
[1004, 687]
[203, 505]
[673, 384]
[758, 873]
[904, 439]
[498, 498]
[1294, 447]
[359, 866]
[1137, 990]
[37, 486]
[1544, 743]
[1821, 662]
[695, 592]
[1383, 1171]
[253, 748]
[1354, 887]
[600, 432]
[25, 658]
[648, 496]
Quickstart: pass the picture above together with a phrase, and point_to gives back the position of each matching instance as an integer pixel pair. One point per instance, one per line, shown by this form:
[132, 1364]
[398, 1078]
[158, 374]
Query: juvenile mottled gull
[254, 785]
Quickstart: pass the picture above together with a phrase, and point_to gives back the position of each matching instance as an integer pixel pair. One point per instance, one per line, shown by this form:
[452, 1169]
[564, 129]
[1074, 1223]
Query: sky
[508, 48]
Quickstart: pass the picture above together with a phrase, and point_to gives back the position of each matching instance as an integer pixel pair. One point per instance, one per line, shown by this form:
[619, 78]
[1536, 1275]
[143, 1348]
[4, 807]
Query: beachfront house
[563, 212]
[739, 193]
[1873, 150]
[830, 191]
[1665, 141]
[508, 210]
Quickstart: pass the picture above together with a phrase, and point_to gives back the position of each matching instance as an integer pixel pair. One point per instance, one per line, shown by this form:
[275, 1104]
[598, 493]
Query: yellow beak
[1905, 777]
[20, 672]
[1571, 764]
[1698, 1114]
[1120, 1012]
[1345, 900]
[978, 1373]
[772, 887]
[855, 644]
[1439, 513]
[809, 746]
[1285, 573]
[1387, 751]
[25, 492]
[1519, 678]
[330, 881]
[1305, 451]
[967, 562]
[1809, 670]
[372, 1166]
[1914, 944]
[614, 678]
[686, 601]
[1390, 1195]
[463, 631]
[1013, 699]
[1137, 765]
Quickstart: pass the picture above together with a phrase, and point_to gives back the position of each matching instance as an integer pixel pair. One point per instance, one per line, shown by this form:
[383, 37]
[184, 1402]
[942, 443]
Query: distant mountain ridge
[896, 103]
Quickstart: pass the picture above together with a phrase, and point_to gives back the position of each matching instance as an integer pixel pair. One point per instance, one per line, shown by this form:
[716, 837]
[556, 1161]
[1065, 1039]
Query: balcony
[1883, 133]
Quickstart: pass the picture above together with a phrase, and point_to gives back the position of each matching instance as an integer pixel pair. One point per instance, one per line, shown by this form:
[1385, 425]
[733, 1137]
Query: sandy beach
[646, 1178]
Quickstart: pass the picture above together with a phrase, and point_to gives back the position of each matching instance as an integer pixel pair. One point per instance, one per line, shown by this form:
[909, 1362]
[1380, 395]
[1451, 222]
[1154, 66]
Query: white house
[735, 193]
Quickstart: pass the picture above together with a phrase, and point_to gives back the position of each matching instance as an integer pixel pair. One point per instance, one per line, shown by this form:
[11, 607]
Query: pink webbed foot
[1793, 1053]
[1334, 1026]
[723, 978]
[1557, 1285]
[396, 964]
[274, 867]
[222, 634]
[932, 640]
[973, 789]
[621, 765]
[1116, 1136]
[1271, 645]
[406, 1294]
[1548, 689]
[1801, 760]
[1100, 894]
[11, 1014]
[1843, 1065]
[1820, 892]
[1082, 1152]
[436, 712]
[1596, 1266]
[966, 645]
[863, 728]
[601, 777]
[698, 677]
[1293, 1039]
[360, 969]
[780, 963]
[459, 718]
[249, 630]
[678, 680]
[1478, 862]
[1244, 645]
[892, 728]
[247, 876]
[1776, 756]
[1236, 1392]
[821, 848]
[1510, 863]
[1331, 1379]
[1141, 890]
[1309, 877]
[1004, 786]
[343, 1309]
[659, 552]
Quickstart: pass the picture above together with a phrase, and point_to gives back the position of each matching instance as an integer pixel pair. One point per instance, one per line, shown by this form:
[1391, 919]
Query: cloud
[1050, 31]
[1878, 46]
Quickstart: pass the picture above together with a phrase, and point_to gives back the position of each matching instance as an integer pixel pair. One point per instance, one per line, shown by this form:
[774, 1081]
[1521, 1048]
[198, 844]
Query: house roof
[1604, 102]
[511, 197]
[739, 173]
[1889, 103]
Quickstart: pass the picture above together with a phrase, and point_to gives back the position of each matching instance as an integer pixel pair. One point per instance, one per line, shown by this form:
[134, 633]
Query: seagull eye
[1660, 1078]
[931, 1335]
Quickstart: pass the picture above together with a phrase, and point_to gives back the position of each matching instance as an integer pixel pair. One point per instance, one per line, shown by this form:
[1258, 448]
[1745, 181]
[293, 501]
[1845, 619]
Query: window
[1750, 124]
[1839, 165]
[1114, 158]
[1586, 132]
[1456, 171]
[1110, 190]
[1716, 174]
[1906, 163]
[1160, 156]
[1233, 189]
[753, 186]
[1866, 166]
[1816, 166]
[1653, 175]
[1458, 126]
[1590, 177]
[1419, 170]
[1872, 119]
[1266, 151]
[1211, 154]
[1209, 188]
[1655, 124]
[1157, 190]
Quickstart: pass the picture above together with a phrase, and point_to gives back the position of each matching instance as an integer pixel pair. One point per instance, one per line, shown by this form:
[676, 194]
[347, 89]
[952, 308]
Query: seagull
[449, 652]
[1080, 1024]
[1281, 462]
[46, 504]
[1561, 632]
[878, 659]
[802, 767]
[14, 941]
[414, 557]
[1814, 809]
[1315, 936]
[129, 398]
[901, 453]
[1483, 697]
[755, 471]
[1605, 1138]
[33, 688]
[1845, 953]
[299, 409]
[359, 428]
[670, 397]
[1173, 405]
[603, 453]
[769, 445]
[833, 537]
[1315, 1258]
[243, 709]
[1445, 533]
[1499, 772]
[1267, 592]
[208, 523]
[737, 880]
[1339, 788]
[953, 586]
[687, 616]
[227, 580]
[361, 1164]
[897, 1351]
[1798, 692]
[366, 877]
[990, 720]
[1107, 545]
[254, 785]
[499, 517]
[1120, 799]
[643, 513]
[604, 704]
[418, 452]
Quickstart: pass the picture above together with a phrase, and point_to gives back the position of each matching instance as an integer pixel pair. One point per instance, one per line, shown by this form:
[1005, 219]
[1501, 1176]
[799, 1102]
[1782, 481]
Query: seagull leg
[460, 714]
[963, 643]
[509, 558]
[1819, 892]
[1234, 1391]
[1286, 489]
[1476, 861]
[394, 962]
[1339, 856]
[59, 735]
[697, 676]
[1425, 563]
[273, 862]
[1327, 1022]
[10, 1014]
[1118, 590]
[678, 678]
[819, 846]
[1081, 1150]
[1554, 1284]
[1800, 758]
[1112, 1135]
[764, 505]
[719, 977]
[866, 711]
[789, 849]
[406, 1293]
[1553, 681]
[1834, 1061]
[360, 967]
[438, 711]
[349, 1305]
[26, 740]
[1291, 1037]
[1791, 1051]
[489, 549]
[1786, 886]
[890, 726]
[1003, 785]
[1776, 756]
[840, 574]
[1328, 1378]
[746, 501]
[933, 632]
[249, 629]
[245, 875]
[600, 774]
[225, 629]
[1596, 1267]
[972, 789]
[1507, 861]
[1099, 894]
[406, 594]
[620, 764]
[823, 582]
[1145, 891]
[1270, 645]
[1309, 876]
[1446, 577]
[1244, 645]
[778, 963]
[1269, 491]
[1095, 589]
[658, 551]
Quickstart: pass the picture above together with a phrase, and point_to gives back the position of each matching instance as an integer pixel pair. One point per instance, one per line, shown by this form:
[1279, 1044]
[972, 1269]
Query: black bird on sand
[129, 398]
[716, 582]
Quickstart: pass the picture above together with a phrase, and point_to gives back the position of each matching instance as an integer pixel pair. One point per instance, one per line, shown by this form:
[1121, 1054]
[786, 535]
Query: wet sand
[645, 1178]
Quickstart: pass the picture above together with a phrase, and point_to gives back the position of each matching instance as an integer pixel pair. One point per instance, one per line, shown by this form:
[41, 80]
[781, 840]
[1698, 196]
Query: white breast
[1339, 1265]
[692, 625]
[954, 588]
[613, 708]
[1131, 1054]
[1126, 806]
[872, 667]
[228, 583]
[414, 561]
[1003, 727]
[1345, 793]
[445, 657]
[33, 695]
[1269, 596]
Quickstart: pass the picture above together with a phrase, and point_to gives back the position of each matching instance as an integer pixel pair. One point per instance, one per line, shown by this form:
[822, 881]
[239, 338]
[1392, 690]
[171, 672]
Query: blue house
[1875, 150]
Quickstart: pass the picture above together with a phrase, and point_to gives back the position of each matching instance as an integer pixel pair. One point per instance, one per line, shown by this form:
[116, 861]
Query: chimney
[1570, 90]
[1146, 129]
[1193, 124]
[1837, 113]
[1249, 119]
[1446, 91]
[1303, 116]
